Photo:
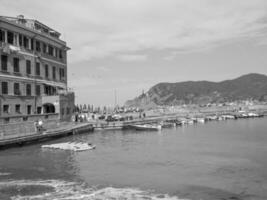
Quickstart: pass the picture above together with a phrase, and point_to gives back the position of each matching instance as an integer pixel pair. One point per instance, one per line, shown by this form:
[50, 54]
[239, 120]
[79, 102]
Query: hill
[250, 86]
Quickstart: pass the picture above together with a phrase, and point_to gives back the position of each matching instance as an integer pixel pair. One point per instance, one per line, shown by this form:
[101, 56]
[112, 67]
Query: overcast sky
[130, 45]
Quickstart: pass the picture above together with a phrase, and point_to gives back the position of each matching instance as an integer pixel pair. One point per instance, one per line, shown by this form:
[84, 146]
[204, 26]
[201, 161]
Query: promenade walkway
[57, 130]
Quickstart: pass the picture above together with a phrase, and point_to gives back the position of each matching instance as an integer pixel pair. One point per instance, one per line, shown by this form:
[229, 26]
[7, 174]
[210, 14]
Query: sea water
[215, 160]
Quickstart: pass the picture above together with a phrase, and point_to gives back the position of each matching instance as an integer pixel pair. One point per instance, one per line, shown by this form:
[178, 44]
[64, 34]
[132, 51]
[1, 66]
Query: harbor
[146, 123]
[133, 100]
[215, 160]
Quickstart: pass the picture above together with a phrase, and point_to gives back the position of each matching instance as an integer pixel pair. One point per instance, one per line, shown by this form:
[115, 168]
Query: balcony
[9, 48]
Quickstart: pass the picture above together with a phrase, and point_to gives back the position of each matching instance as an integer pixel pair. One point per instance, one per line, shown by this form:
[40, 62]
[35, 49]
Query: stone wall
[24, 125]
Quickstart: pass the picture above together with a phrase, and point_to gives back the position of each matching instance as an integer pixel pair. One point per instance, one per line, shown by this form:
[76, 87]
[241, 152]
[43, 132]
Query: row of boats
[191, 120]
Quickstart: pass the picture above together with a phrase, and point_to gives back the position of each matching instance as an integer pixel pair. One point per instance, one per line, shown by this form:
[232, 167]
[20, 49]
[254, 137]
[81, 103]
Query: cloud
[96, 29]
[131, 57]
[103, 69]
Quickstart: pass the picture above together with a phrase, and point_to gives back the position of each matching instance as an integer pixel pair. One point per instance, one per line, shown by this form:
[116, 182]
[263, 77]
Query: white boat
[73, 146]
[190, 121]
[228, 117]
[251, 114]
[167, 124]
[201, 120]
[147, 127]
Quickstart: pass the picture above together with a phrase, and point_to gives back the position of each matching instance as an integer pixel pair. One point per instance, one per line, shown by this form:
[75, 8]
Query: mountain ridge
[249, 86]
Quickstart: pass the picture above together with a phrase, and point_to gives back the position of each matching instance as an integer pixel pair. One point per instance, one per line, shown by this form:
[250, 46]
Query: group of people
[82, 117]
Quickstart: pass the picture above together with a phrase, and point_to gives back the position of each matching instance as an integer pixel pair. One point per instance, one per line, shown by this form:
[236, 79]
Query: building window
[54, 72]
[37, 69]
[28, 90]
[31, 40]
[38, 46]
[25, 42]
[29, 109]
[39, 110]
[61, 74]
[17, 108]
[10, 37]
[56, 52]
[46, 71]
[44, 48]
[50, 50]
[20, 40]
[2, 36]
[60, 54]
[5, 108]
[37, 90]
[16, 65]
[28, 67]
[4, 88]
[68, 110]
[4, 63]
[16, 89]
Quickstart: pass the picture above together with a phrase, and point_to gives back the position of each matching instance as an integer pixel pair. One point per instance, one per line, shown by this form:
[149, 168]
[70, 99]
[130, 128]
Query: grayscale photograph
[133, 100]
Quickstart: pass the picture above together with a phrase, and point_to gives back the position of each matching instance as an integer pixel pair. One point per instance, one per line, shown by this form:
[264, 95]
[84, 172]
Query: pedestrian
[40, 126]
[35, 125]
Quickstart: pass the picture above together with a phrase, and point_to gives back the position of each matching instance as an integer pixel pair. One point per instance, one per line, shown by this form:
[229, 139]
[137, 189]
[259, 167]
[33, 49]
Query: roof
[33, 24]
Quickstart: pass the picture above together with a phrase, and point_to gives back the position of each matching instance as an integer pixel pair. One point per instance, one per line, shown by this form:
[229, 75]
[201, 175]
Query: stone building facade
[33, 72]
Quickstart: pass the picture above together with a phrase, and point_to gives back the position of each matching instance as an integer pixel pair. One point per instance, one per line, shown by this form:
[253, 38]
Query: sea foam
[63, 190]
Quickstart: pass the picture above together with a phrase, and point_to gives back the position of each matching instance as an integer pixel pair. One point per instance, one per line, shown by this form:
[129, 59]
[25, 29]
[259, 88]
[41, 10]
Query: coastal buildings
[33, 72]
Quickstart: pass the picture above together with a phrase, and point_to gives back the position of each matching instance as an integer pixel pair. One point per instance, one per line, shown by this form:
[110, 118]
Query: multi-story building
[33, 72]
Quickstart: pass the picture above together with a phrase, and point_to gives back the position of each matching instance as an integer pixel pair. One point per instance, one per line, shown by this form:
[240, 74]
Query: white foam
[74, 146]
[73, 191]
[4, 174]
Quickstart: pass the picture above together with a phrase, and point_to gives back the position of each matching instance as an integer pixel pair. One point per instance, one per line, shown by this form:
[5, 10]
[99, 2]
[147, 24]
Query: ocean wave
[62, 190]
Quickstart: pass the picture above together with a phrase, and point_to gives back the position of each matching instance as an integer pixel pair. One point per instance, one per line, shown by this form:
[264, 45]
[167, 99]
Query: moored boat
[201, 120]
[166, 124]
[147, 127]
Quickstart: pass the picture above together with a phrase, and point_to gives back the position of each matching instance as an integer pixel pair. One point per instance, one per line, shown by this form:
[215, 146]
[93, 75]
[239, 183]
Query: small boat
[251, 114]
[201, 120]
[175, 122]
[147, 127]
[190, 121]
[166, 124]
[74, 146]
[183, 121]
[211, 117]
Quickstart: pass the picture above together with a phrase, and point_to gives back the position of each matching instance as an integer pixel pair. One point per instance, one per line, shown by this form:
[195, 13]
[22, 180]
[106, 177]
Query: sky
[124, 47]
